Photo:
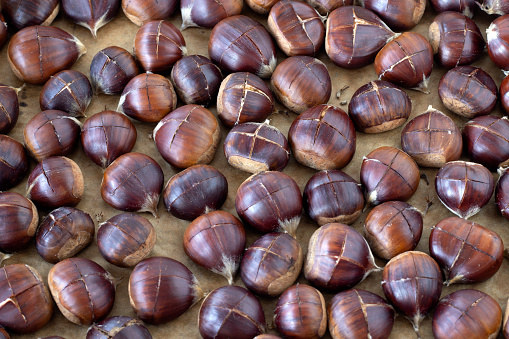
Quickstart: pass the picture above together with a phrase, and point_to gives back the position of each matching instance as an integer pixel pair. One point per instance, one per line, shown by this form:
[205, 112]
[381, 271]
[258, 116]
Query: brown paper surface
[121, 32]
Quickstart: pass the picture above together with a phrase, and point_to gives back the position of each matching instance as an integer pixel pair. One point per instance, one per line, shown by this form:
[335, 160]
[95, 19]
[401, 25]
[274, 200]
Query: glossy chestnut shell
[497, 36]
[142, 11]
[21, 14]
[3, 30]
[399, 15]
[504, 94]
[19, 222]
[502, 193]
[91, 14]
[325, 7]
[118, 328]
[9, 108]
[466, 7]
[13, 162]
[207, 13]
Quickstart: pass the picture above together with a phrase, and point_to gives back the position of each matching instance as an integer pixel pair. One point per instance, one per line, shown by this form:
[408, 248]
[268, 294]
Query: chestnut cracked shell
[118, 328]
[37, 52]
[231, 312]
[19, 222]
[324, 7]
[25, 303]
[142, 11]
[9, 108]
[498, 7]
[91, 14]
[502, 193]
[133, 183]
[13, 162]
[497, 36]
[256, 147]
[270, 202]
[187, 136]
[467, 313]
[301, 82]
[406, 61]
[338, 258]
[333, 196]
[360, 314]
[83, 290]
[20, 14]
[216, 242]
[466, 7]
[207, 13]
[399, 15]
[107, 135]
[354, 36]
[162, 289]
[56, 182]
[241, 44]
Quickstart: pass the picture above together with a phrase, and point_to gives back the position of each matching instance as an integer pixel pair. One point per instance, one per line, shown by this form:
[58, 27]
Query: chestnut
[502, 193]
[247, 43]
[111, 69]
[207, 13]
[216, 241]
[388, 173]
[270, 202]
[158, 45]
[117, 328]
[25, 303]
[91, 14]
[20, 14]
[399, 15]
[69, 91]
[107, 135]
[412, 283]
[196, 190]
[148, 98]
[324, 7]
[379, 106]
[19, 221]
[301, 82]
[267, 336]
[406, 61]
[498, 7]
[301, 313]
[505, 329]
[466, 7]
[162, 289]
[37, 52]
[432, 139]
[255, 147]
[360, 314]
[338, 258]
[231, 312]
[83, 290]
[187, 136]
[333, 196]
[13, 162]
[142, 11]
[261, 6]
[467, 313]
[51, 133]
[133, 183]
[504, 94]
[56, 182]
[9, 108]
[497, 36]
[3, 35]
[244, 97]
[354, 36]
[271, 264]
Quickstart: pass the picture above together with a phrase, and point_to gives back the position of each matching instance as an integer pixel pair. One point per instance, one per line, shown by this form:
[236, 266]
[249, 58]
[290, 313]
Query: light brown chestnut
[466, 7]
[20, 14]
[261, 6]
[19, 222]
[13, 162]
[207, 13]
[497, 36]
[324, 7]
[142, 11]
[9, 108]
[498, 7]
[117, 328]
[91, 14]
[399, 15]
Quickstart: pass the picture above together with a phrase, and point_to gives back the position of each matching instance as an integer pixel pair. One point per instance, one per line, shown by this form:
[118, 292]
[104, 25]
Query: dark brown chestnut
[301, 82]
[270, 202]
[301, 313]
[399, 15]
[244, 97]
[3, 30]
[91, 14]
[412, 283]
[498, 7]
[497, 36]
[246, 42]
[25, 303]
[324, 7]
[37, 52]
[207, 13]
[432, 139]
[9, 108]
[466, 7]
[19, 221]
[333, 196]
[118, 328]
[338, 258]
[111, 69]
[216, 241]
[56, 182]
[255, 147]
[187, 136]
[162, 289]
[142, 11]
[13, 162]
[158, 45]
[502, 193]
[125, 239]
[83, 290]
[196, 80]
[133, 183]
[388, 173]
[20, 14]
[107, 135]
[504, 94]
[360, 314]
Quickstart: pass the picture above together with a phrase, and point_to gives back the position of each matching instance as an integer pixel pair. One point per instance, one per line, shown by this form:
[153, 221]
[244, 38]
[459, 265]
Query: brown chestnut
[37, 52]
[25, 303]
[255, 147]
[466, 7]
[148, 98]
[261, 6]
[338, 258]
[270, 202]
[91, 14]
[244, 97]
[56, 182]
[83, 290]
[13, 162]
[504, 94]
[125, 239]
[247, 44]
[498, 7]
[9, 108]
[142, 11]
[118, 328]
[216, 241]
[301, 82]
[133, 183]
[3, 33]
[497, 36]
[388, 173]
[207, 13]
[162, 289]
[502, 193]
[19, 221]
[107, 135]
[324, 7]
[267, 336]
[432, 139]
[399, 15]
[187, 136]
[20, 14]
